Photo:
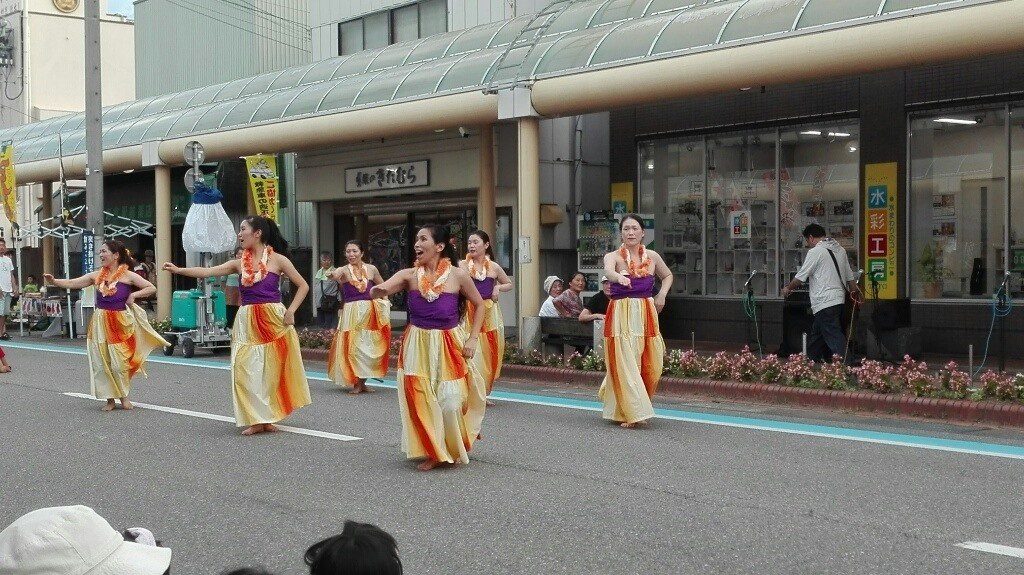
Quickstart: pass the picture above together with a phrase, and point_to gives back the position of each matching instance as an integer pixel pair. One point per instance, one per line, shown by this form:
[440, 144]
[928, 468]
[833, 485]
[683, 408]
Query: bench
[563, 331]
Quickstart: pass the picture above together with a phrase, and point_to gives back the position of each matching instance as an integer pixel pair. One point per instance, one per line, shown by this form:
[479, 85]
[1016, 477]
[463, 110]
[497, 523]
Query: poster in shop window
[881, 237]
[739, 225]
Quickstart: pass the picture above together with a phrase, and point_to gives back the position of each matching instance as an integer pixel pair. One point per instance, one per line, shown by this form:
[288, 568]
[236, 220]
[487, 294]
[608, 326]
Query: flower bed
[910, 377]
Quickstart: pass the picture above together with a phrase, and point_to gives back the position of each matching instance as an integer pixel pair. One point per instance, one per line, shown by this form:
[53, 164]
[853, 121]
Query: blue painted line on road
[771, 425]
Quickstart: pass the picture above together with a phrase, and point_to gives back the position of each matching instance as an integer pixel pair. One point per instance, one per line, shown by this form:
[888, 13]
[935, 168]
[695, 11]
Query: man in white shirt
[552, 287]
[8, 288]
[827, 269]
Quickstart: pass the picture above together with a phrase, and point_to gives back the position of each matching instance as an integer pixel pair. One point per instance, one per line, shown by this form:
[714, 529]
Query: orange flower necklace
[253, 274]
[106, 282]
[636, 269]
[481, 274]
[432, 284]
[357, 276]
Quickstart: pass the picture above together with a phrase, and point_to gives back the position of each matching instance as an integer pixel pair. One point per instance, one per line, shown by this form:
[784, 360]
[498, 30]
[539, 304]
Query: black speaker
[890, 314]
[978, 277]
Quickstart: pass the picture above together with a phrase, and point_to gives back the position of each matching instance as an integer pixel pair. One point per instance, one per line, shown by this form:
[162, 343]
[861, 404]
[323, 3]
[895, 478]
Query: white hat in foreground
[74, 540]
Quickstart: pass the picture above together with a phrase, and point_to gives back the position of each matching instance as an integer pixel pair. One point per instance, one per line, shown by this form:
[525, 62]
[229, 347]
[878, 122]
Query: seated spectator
[361, 549]
[569, 303]
[75, 540]
[552, 287]
[31, 286]
[597, 305]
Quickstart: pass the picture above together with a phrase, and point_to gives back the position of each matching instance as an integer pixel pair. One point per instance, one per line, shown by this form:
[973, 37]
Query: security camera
[463, 132]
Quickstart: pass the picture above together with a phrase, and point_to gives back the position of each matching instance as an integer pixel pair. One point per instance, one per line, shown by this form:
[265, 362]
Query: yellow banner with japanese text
[8, 183]
[881, 225]
[263, 184]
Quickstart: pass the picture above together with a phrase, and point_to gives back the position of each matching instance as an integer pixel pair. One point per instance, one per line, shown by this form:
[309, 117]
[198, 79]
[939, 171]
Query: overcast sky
[120, 7]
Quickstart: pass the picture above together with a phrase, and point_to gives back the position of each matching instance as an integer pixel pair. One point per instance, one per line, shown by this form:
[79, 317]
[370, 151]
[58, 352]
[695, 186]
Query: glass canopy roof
[565, 38]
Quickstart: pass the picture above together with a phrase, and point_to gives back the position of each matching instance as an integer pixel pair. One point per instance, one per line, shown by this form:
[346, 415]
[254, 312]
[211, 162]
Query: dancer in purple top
[119, 336]
[490, 280]
[634, 350]
[439, 391]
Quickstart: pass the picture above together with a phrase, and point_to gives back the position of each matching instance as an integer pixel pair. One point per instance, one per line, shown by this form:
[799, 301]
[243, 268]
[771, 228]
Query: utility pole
[93, 123]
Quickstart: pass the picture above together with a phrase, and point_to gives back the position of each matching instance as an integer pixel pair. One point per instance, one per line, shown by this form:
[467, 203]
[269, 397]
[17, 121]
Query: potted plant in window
[931, 272]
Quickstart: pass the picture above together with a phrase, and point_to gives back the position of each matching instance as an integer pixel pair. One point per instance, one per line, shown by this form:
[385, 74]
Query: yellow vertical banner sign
[622, 197]
[8, 183]
[881, 225]
[263, 184]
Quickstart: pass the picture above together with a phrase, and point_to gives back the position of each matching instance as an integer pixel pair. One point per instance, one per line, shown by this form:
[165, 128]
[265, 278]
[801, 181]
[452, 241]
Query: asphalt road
[549, 489]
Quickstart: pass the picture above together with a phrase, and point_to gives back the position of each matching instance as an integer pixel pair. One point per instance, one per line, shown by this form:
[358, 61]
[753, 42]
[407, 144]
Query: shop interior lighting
[829, 134]
[955, 121]
[650, 165]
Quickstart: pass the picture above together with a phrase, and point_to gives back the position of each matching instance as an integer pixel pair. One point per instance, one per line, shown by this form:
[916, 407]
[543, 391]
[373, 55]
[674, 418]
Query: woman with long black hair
[634, 350]
[439, 391]
[361, 344]
[490, 280]
[268, 379]
[119, 337]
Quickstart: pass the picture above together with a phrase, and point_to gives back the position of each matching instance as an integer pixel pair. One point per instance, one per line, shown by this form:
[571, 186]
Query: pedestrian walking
[119, 337]
[8, 288]
[325, 292]
[490, 280]
[827, 270]
[267, 375]
[634, 350]
[362, 341]
[442, 407]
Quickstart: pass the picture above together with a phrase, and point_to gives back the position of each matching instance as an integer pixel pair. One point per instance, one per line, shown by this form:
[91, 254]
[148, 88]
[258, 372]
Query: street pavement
[550, 489]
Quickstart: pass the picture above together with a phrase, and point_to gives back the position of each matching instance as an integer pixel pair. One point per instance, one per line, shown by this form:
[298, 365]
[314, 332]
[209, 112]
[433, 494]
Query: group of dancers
[452, 346]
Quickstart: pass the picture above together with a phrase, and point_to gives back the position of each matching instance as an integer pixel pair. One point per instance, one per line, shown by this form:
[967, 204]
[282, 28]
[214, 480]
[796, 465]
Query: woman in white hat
[553, 287]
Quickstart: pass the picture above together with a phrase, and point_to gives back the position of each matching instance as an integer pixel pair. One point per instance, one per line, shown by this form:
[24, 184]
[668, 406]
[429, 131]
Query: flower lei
[636, 269]
[432, 285]
[254, 274]
[478, 275]
[357, 276]
[106, 282]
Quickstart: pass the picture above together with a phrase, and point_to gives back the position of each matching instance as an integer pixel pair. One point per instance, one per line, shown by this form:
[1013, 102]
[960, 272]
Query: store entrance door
[390, 239]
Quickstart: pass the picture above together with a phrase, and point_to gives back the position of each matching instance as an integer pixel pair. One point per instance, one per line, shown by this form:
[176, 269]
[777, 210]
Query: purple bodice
[116, 302]
[443, 313]
[349, 293]
[267, 290]
[642, 287]
[485, 287]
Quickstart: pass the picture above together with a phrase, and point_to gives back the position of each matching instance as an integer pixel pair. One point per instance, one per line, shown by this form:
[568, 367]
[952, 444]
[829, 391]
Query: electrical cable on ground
[1001, 308]
[750, 309]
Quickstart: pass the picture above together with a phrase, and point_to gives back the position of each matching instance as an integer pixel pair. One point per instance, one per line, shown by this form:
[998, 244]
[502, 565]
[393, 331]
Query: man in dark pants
[827, 269]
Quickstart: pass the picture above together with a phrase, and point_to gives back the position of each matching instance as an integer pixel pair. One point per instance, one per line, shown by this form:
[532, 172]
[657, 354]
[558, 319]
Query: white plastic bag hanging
[207, 227]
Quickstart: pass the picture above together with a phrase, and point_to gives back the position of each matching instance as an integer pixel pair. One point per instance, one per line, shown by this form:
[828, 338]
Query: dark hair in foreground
[247, 571]
[635, 218]
[443, 235]
[270, 234]
[485, 239]
[814, 231]
[118, 247]
[361, 549]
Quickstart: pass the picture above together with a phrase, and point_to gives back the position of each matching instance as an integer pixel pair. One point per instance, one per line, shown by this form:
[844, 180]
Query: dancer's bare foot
[357, 389]
[253, 429]
[5, 369]
[633, 425]
[109, 406]
[270, 428]
[428, 465]
[490, 403]
[125, 404]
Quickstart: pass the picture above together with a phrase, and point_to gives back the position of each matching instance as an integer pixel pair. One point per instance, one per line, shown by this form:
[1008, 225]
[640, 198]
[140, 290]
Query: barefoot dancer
[442, 407]
[634, 350]
[490, 280]
[361, 344]
[119, 336]
[268, 379]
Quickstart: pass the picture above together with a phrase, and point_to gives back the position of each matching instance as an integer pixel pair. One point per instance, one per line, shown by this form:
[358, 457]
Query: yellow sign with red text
[263, 184]
[881, 237]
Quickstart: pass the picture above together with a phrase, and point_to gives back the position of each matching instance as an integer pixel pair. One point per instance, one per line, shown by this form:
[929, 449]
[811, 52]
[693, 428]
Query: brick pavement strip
[987, 412]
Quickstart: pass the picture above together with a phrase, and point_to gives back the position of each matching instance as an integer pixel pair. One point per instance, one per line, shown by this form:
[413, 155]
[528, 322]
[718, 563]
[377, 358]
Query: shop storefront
[733, 180]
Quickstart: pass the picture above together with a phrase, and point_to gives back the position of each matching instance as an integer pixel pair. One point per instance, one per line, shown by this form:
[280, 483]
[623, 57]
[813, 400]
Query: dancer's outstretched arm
[76, 283]
[395, 284]
[226, 268]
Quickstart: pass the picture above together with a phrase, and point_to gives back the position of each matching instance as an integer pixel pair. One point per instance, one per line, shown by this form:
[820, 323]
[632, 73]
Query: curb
[988, 412]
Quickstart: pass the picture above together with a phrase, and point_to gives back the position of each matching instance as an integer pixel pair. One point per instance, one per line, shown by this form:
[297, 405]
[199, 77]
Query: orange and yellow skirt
[440, 395]
[117, 344]
[268, 379]
[634, 353]
[360, 347]
[491, 350]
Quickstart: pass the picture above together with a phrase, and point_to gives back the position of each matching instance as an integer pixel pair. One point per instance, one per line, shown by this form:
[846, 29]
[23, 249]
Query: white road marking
[993, 548]
[224, 418]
